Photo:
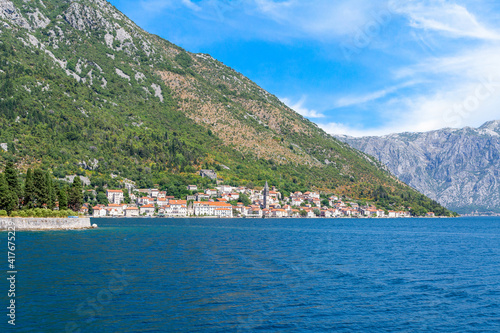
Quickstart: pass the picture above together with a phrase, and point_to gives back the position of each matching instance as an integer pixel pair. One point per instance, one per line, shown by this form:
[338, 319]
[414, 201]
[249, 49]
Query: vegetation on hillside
[108, 98]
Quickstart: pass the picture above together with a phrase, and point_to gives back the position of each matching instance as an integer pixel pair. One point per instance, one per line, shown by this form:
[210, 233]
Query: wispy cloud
[191, 5]
[268, 19]
[324, 19]
[157, 6]
[301, 109]
[446, 17]
[362, 99]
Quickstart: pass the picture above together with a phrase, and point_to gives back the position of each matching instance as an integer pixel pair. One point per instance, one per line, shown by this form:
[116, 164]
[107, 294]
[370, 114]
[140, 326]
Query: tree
[62, 196]
[29, 191]
[245, 199]
[126, 196]
[8, 199]
[51, 193]
[41, 190]
[75, 197]
[102, 199]
[12, 179]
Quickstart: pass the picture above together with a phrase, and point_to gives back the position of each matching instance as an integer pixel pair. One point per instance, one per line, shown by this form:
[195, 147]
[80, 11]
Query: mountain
[84, 90]
[460, 168]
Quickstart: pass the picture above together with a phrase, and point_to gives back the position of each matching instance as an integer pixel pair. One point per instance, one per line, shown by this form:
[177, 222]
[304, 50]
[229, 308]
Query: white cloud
[323, 19]
[301, 109]
[464, 104]
[445, 17]
[156, 6]
[356, 131]
[191, 5]
[362, 99]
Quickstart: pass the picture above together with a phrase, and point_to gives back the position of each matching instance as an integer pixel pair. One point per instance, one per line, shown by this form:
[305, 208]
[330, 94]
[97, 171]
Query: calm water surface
[194, 275]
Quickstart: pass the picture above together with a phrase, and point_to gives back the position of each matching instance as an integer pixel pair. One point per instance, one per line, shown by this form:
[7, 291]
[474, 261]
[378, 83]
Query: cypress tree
[41, 190]
[75, 197]
[12, 179]
[8, 200]
[29, 191]
[51, 194]
[62, 196]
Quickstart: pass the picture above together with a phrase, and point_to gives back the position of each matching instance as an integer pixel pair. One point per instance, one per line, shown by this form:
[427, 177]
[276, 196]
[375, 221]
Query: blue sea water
[262, 275]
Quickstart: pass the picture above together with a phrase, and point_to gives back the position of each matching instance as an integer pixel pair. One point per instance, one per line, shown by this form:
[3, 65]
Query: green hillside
[84, 90]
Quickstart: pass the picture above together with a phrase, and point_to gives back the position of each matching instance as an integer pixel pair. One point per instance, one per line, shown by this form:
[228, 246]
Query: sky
[354, 67]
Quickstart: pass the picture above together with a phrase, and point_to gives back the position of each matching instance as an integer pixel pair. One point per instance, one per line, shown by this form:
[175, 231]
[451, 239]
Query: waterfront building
[114, 196]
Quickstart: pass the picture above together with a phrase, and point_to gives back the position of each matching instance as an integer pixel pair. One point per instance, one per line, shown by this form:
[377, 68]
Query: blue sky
[354, 67]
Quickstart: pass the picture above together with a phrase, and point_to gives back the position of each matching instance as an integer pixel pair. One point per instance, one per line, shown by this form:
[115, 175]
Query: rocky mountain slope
[84, 90]
[460, 168]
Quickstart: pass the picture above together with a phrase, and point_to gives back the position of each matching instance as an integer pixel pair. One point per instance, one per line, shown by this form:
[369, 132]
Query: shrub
[29, 213]
[3, 213]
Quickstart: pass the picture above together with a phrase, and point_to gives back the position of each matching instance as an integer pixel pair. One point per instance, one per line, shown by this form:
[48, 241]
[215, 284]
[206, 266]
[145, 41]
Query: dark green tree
[102, 199]
[75, 195]
[8, 199]
[29, 191]
[12, 179]
[62, 196]
[41, 190]
[126, 196]
[245, 199]
[51, 193]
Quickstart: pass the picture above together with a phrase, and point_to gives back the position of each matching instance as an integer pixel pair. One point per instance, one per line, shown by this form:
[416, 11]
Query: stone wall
[23, 223]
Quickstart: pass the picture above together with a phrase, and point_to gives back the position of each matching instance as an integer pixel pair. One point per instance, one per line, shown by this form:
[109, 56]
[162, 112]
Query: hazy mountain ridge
[460, 168]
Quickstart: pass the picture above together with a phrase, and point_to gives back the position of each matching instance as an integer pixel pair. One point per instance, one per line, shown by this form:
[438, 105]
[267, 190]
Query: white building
[220, 209]
[115, 209]
[279, 213]
[161, 202]
[225, 189]
[115, 196]
[211, 192]
[99, 211]
[147, 210]
[176, 208]
[223, 212]
[131, 212]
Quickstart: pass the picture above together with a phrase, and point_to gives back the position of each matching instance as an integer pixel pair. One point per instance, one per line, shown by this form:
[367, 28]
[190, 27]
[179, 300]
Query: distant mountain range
[460, 168]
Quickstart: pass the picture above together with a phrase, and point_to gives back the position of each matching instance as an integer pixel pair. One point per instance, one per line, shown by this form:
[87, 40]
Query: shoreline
[44, 223]
[275, 218]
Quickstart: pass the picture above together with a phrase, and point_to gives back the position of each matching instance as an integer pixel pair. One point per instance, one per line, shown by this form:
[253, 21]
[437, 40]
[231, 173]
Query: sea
[258, 275]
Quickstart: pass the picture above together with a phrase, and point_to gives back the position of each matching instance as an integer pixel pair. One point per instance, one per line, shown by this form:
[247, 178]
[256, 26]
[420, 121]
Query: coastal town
[224, 201]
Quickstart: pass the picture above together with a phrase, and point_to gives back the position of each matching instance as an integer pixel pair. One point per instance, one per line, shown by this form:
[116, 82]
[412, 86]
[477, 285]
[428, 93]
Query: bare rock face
[83, 17]
[10, 13]
[38, 20]
[459, 168]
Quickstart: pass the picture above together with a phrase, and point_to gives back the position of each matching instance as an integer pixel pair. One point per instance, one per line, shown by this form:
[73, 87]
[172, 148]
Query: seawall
[44, 223]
